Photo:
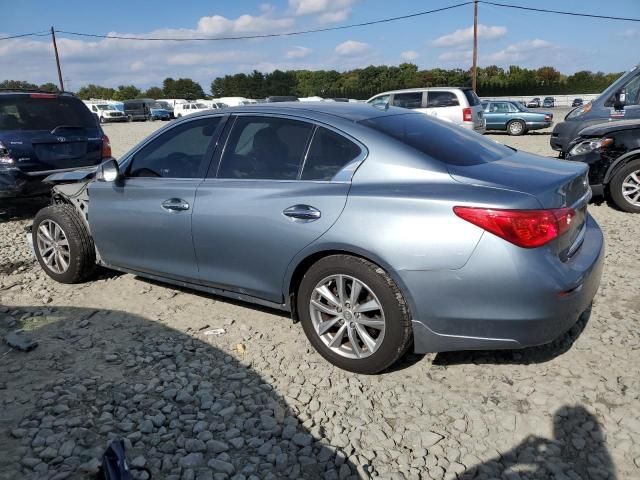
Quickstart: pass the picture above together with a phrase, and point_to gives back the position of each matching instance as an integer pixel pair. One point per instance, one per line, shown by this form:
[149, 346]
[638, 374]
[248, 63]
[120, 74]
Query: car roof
[354, 112]
[19, 92]
[422, 89]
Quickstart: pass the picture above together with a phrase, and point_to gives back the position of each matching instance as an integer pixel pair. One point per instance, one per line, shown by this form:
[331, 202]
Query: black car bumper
[563, 133]
[14, 184]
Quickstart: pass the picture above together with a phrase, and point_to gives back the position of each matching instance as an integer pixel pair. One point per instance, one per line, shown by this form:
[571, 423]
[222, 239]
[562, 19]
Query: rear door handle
[305, 213]
[175, 205]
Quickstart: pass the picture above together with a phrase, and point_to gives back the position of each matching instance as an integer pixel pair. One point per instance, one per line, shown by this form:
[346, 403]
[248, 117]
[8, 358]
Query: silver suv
[457, 105]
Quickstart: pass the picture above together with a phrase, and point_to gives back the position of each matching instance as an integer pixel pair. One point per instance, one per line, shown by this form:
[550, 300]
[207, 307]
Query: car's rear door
[444, 104]
[46, 132]
[281, 182]
[144, 222]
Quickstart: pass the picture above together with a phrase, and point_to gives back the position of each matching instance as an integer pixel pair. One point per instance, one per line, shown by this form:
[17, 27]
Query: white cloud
[351, 47]
[465, 35]
[409, 55]
[219, 25]
[457, 57]
[631, 33]
[329, 11]
[298, 52]
[519, 52]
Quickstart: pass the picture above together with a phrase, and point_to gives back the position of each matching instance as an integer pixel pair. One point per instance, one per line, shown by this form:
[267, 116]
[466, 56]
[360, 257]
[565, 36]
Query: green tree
[18, 85]
[96, 91]
[49, 87]
[126, 92]
[182, 88]
[154, 92]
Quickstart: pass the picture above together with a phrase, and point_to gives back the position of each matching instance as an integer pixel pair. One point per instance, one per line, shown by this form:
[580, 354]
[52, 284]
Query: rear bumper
[14, 184]
[538, 125]
[504, 297]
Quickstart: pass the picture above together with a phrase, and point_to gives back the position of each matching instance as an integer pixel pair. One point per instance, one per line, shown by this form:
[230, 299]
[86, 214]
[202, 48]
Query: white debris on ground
[125, 357]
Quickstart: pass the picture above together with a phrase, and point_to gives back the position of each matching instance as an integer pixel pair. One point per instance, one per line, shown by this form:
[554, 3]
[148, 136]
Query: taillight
[43, 95]
[524, 228]
[5, 156]
[467, 116]
[547, 118]
[106, 147]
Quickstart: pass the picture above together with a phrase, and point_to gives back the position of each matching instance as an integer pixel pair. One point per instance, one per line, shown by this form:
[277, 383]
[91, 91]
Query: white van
[236, 101]
[182, 109]
[451, 104]
[106, 111]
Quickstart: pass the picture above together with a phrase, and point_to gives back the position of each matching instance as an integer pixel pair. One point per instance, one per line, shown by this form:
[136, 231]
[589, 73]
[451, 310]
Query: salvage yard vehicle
[612, 151]
[367, 223]
[42, 133]
[534, 103]
[620, 101]
[514, 118]
[106, 112]
[182, 109]
[460, 106]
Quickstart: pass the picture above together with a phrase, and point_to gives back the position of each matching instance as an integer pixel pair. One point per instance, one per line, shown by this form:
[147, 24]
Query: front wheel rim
[347, 316]
[53, 246]
[631, 188]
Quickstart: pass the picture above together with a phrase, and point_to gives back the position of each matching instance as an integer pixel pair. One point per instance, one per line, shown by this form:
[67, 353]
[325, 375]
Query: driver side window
[177, 153]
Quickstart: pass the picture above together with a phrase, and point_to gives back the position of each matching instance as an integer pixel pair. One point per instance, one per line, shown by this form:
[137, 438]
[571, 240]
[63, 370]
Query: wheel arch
[619, 163]
[304, 260]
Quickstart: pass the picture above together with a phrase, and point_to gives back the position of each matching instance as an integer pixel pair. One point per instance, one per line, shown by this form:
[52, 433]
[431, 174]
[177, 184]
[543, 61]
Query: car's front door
[279, 185]
[143, 223]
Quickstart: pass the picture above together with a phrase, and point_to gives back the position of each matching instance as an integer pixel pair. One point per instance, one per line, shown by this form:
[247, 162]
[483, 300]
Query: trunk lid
[554, 183]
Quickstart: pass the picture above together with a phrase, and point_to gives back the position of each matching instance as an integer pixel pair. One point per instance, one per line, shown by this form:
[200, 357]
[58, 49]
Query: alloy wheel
[631, 188]
[53, 246]
[515, 128]
[347, 316]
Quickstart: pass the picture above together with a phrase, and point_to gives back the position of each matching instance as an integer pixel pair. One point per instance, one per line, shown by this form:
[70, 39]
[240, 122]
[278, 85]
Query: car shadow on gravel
[577, 450]
[185, 408]
[21, 208]
[524, 356]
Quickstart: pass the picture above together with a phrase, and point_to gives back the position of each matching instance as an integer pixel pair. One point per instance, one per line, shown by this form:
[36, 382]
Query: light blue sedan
[380, 230]
[514, 117]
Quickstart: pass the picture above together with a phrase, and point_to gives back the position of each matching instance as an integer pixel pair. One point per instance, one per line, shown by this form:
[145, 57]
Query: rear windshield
[23, 112]
[472, 98]
[444, 142]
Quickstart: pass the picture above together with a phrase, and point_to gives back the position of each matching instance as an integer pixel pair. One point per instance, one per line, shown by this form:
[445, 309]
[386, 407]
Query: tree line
[359, 83]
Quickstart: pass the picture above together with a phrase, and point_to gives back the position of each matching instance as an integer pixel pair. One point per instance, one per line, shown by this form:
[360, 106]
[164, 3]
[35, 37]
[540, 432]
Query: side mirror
[620, 100]
[108, 171]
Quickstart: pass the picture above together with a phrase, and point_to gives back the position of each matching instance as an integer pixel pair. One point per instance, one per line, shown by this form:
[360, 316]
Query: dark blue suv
[42, 133]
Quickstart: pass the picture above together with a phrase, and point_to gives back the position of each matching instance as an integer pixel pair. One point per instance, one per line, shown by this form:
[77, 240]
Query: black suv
[612, 151]
[42, 133]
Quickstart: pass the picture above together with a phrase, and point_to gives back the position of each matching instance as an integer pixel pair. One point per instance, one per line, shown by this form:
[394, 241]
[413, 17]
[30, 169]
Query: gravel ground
[124, 357]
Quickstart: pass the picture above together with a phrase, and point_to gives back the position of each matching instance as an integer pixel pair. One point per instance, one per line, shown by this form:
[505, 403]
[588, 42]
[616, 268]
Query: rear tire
[378, 311]
[516, 127]
[624, 187]
[57, 229]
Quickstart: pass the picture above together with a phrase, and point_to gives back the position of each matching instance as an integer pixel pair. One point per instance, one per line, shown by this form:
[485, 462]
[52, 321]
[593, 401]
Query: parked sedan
[612, 151]
[577, 102]
[534, 103]
[549, 102]
[514, 118]
[378, 228]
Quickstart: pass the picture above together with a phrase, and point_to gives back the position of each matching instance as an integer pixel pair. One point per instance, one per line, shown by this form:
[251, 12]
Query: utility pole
[55, 49]
[474, 72]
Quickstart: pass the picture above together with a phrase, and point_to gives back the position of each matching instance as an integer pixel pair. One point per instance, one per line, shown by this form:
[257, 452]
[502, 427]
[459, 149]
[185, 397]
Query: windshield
[105, 107]
[443, 141]
[24, 112]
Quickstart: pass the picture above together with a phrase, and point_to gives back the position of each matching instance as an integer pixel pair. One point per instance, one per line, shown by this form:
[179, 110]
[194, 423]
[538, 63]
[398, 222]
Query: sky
[506, 37]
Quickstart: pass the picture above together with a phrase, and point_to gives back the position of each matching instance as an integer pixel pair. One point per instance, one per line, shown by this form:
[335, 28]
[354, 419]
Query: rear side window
[408, 100]
[442, 141]
[177, 153]
[265, 148]
[24, 112]
[381, 100]
[442, 99]
[472, 98]
[328, 153]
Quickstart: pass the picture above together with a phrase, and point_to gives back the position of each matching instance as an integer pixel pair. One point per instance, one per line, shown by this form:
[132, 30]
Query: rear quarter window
[440, 140]
[472, 98]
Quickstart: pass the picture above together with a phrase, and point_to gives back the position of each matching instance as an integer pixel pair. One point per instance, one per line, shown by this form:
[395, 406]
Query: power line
[269, 35]
[42, 33]
[559, 12]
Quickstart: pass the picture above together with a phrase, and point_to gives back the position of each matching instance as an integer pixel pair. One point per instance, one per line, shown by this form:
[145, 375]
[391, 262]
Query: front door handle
[175, 205]
[305, 213]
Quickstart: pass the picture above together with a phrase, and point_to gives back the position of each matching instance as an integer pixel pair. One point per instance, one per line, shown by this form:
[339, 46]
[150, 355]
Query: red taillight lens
[524, 228]
[106, 147]
[547, 118]
[467, 115]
